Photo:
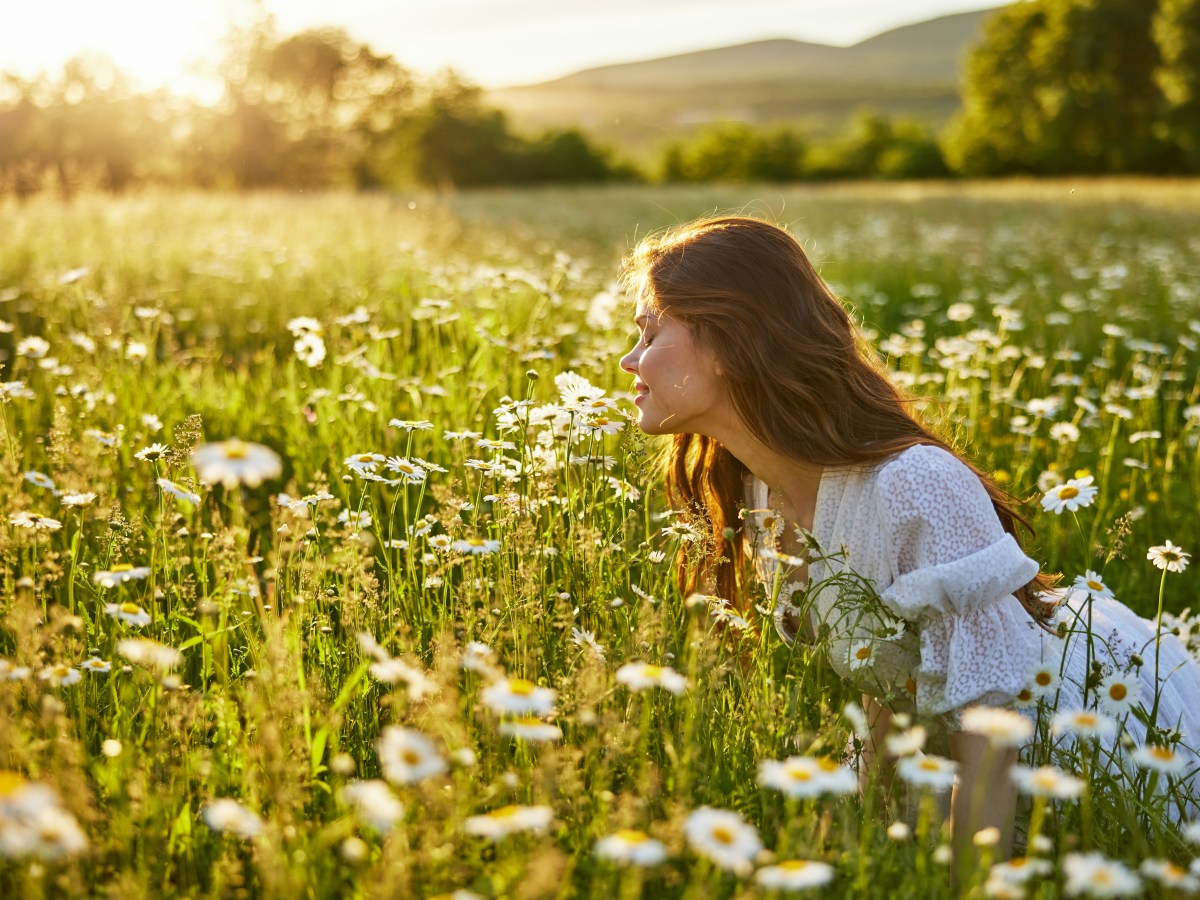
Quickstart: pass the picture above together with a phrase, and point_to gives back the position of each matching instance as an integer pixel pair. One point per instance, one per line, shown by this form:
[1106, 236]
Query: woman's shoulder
[925, 479]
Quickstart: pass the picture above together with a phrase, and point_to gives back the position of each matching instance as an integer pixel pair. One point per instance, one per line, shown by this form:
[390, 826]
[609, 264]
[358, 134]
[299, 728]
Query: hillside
[909, 71]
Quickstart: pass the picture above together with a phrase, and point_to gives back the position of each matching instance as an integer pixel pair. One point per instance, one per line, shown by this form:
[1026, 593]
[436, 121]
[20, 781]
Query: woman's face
[678, 381]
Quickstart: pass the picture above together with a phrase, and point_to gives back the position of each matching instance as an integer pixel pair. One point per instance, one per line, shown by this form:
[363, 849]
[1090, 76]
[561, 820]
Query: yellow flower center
[1019, 863]
[521, 687]
[406, 468]
[1117, 691]
[1025, 696]
[794, 865]
[131, 609]
[1095, 586]
[798, 774]
[722, 835]
[1043, 679]
[911, 686]
[10, 783]
[1045, 780]
[365, 457]
[862, 653]
[235, 449]
[1086, 719]
[649, 671]
[930, 765]
[411, 757]
[633, 836]
[1067, 492]
[1102, 877]
[476, 542]
[505, 812]
[1162, 754]
[122, 567]
[827, 765]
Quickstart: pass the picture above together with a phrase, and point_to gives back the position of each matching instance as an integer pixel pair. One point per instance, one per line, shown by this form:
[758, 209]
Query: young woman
[746, 357]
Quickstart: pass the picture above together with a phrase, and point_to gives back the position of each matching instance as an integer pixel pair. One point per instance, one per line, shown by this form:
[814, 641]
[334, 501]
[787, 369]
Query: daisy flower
[34, 521]
[1092, 583]
[509, 820]
[582, 638]
[479, 657]
[77, 499]
[302, 325]
[906, 743]
[806, 776]
[794, 875]
[374, 803]
[310, 349]
[233, 462]
[96, 666]
[228, 815]
[407, 470]
[153, 453]
[861, 654]
[530, 728]
[724, 837]
[411, 424]
[1002, 727]
[517, 696]
[476, 546]
[926, 770]
[1043, 680]
[120, 574]
[1083, 723]
[637, 676]
[37, 479]
[1169, 875]
[152, 654]
[1118, 693]
[129, 613]
[1046, 781]
[1095, 875]
[1159, 759]
[364, 462]
[407, 756]
[631, 846]
[179, 493]
[1168, 557]
[1021, 869]
[1070, 496]
[60, 675]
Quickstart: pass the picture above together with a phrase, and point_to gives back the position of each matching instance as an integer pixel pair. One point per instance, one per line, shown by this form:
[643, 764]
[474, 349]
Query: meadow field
[331, 564]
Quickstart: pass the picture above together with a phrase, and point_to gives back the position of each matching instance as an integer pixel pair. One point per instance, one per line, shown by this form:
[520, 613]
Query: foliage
[1074, 86]
[313, 109]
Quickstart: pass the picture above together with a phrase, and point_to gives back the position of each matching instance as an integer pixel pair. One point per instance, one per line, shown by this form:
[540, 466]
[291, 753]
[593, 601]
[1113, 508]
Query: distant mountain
[910, 71]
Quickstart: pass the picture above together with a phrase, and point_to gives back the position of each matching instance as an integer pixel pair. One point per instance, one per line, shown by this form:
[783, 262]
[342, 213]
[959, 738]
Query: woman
[746, 357]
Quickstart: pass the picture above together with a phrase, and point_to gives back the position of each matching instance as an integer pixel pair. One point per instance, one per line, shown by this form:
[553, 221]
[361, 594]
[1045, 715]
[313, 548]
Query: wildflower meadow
[332, 565]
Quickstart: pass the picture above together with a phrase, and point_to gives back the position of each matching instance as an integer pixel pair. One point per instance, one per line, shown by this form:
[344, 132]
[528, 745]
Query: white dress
[922, 530]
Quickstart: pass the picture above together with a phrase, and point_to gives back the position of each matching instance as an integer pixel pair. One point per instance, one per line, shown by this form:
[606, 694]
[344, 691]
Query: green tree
[1177, 33]
[1062, 86]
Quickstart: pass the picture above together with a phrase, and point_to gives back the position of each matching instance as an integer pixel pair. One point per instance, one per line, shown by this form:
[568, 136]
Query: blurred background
[305, 95]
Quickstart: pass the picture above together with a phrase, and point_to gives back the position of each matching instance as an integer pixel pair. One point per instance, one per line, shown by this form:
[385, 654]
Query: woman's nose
[629, 362]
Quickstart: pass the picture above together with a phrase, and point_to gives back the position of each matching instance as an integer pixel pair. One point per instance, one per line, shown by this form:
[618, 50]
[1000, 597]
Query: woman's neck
[793, 484]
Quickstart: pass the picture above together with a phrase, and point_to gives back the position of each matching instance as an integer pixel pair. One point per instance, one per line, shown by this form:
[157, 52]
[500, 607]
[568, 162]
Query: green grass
[471, 304]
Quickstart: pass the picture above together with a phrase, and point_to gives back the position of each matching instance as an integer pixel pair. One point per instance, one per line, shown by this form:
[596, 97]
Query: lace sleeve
[954, 570]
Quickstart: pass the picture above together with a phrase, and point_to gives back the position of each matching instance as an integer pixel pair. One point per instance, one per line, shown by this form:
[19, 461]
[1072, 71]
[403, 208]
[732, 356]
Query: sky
[493, 43]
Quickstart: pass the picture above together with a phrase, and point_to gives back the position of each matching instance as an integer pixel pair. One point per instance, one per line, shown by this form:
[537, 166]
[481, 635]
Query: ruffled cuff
[976, 657]
[973, 582]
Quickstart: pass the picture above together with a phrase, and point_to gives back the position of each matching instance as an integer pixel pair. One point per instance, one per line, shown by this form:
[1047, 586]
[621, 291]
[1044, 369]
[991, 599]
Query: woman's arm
[985, 796]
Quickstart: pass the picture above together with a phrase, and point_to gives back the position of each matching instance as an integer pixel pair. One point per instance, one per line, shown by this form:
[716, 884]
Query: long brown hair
[798, 372]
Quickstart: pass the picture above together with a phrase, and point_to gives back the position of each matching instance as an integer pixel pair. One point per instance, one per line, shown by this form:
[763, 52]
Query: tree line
[1053, 87]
